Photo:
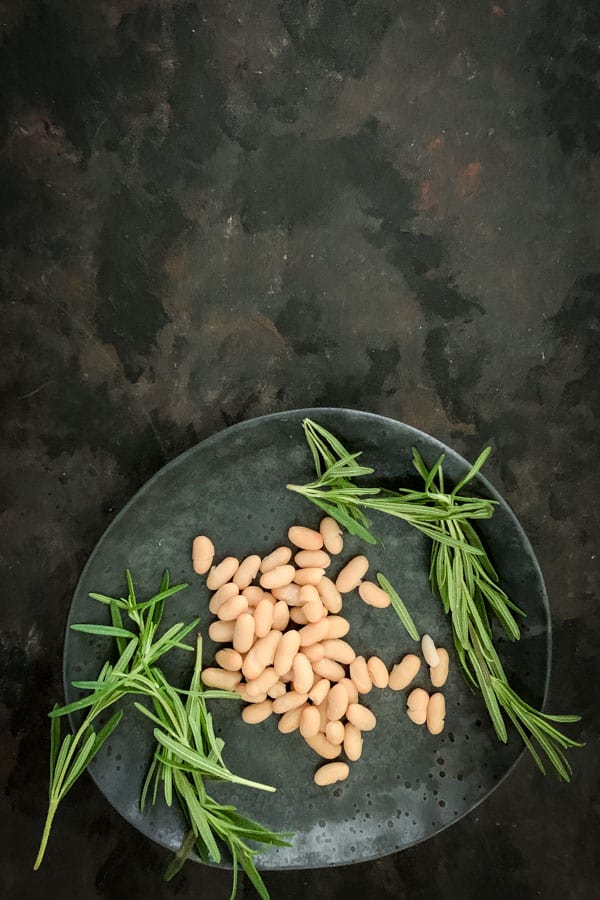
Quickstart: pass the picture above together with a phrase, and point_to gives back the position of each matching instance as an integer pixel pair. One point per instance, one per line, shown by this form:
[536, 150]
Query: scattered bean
[281, 615]
[310, 721]
[353, 742]
[261, 655]
[352, 574]
[305, 538]
[312, 558]
[254, 594]
[373, 595]
[328, 668]
[360, 716]
[331, 773]
[303, 674]
[219, 678]
[350, 689]
[286, 651]
[290, 593]
[337, 627]
[341, 651]
[247, 572]
[225, 593]
[242, 690]
[436, 713]
[319, 691]
[221, 574]
[277, 578]
[417, 703]
[243, 632]
[290, 720]
[314, 632]
[221, 632]
[310, 575]
[334, 732]
[378, 672]
[288, 701]
[404, 672]
[263, 618]
[322, 746]
[231, 609]
[279, 557]
[429, 651]
[439, 673]
[314, 611]
[330, 596]
[332, 535]
[229, 659]
[257, 712]
[359, 673]
[203, 552]
[337, 702]
[263, 683]
[314, 652]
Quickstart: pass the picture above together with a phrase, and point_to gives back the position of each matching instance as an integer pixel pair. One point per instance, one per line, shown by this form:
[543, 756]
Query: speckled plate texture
[408, 785]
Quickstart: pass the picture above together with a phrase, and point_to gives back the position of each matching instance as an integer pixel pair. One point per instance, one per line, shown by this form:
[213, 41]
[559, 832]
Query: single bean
[310, 558]
[281, 615]
[308, 594]
[378, 672]
[247, 572]
[314, 652]
[353, 741]
[305, 538]
[314, 632]
[359, 673]
[319, 691]
[289, 701]
[331, 597]
[219, 678]
[373, 595]
[404, 672]
[221, 574]
[334, 732]
[314, 611]
[328, 668]
[310, 720]
[436, 713]
[337, 627]
[279, 557]
[311, 575]
[303, 674]
[331, 773]
[286, 651]
[229, 659]
[277, 578]
[231, 609]
[350, 689]
[298, 615]
[290, 593]
[221, 632]
[253, 594]
[352, 574]
[290, 720]
[337, 702]
[339, 650]
[257, 712]
[263, 683]
[203, 552]
[417, 703]
[278, 690]
[225, 593]
[439, 673]
[331, 533]
[243, 632]
[360, 716]
[429, 651]
[322, 746]
[263, 618]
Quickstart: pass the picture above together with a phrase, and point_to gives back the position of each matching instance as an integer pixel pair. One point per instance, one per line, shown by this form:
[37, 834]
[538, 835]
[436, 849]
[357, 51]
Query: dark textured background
[213, 210]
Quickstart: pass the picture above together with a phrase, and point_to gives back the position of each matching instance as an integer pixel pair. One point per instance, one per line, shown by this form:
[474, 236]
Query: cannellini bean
[263, 618]
[319, 691]
[257, 712]
[352, 574]
[219, 678]
[247, 572]
[322, 746]
[314, 632]
[310, 721]
[310, 558]
[253, 594]
[242, 690]
[286, 651]
[221, 632]
[328, 668]
[373, 595]
[429, 651]
[308, 594]
[404, 672]
[203, 552]
[243, 632]
[314, 611]
[229, 659]
[303, 674]
[314, 652]
[360, 716]
[337, 703]
[331, 533]
[331, 773]
[231, 609]
[221, 574]
[359, 673]
[290, 720]
[331, 597]
[278, 690]
[305, 538]
[225, 593]
[263, 683]
[417, 702]
[310, 575]
[281, 615]
[322, 707]
[436, 713]
[341, 651]
[288, 701]
[290, 593]
[350, 689]
[277, 578]
[353, 742]
[261, 655]
[439, 673]
[298, 615]
[279, 557]
[334, 732]
[378, 672]
[337, 627]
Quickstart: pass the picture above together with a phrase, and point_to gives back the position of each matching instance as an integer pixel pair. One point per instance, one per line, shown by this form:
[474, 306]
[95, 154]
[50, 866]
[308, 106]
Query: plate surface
[408, 785]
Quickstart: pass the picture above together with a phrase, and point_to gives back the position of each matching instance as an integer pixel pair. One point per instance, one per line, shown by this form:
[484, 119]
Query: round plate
[408, 785]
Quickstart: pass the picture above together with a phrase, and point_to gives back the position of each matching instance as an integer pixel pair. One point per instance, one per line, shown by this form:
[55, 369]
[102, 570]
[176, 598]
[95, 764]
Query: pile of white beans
[287, 653]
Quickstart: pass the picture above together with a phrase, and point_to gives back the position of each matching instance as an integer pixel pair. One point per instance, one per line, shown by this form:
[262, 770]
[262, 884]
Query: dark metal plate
[408, 785]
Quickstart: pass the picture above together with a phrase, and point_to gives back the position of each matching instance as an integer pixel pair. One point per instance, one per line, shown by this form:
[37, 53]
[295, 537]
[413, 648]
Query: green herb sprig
[460, 572]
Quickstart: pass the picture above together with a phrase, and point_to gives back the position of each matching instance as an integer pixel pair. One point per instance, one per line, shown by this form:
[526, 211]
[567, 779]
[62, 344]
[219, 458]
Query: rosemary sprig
[188, 750]
[460, 572]
[399, 607]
